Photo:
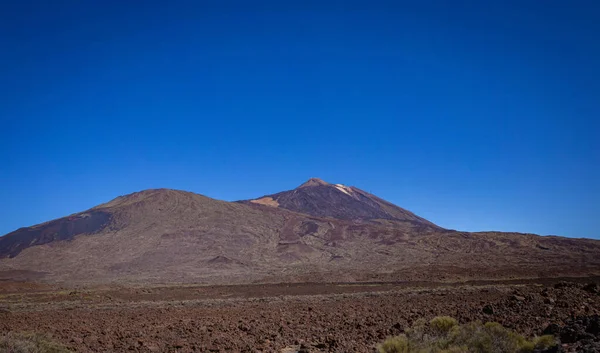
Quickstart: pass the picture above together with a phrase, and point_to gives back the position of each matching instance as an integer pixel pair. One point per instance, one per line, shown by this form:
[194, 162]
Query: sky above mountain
[475, 115]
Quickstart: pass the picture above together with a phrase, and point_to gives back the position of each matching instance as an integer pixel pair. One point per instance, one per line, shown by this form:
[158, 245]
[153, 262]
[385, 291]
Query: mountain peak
[321, 199]
[313, 182]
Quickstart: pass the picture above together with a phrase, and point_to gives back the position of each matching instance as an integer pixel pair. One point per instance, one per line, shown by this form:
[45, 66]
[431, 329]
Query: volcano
[317, 232]
[321, 199]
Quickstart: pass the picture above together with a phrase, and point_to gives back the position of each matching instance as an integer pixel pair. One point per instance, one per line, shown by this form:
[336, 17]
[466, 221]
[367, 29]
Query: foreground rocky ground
[291, 318]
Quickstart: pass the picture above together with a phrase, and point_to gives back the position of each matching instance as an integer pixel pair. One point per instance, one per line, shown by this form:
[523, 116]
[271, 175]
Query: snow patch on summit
[344, 189]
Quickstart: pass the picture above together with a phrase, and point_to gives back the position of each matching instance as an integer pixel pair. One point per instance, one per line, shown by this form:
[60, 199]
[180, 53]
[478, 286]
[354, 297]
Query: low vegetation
[444, 335]
[28, 343]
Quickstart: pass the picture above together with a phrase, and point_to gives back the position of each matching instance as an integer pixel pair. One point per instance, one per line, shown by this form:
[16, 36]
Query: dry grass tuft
[444, 335]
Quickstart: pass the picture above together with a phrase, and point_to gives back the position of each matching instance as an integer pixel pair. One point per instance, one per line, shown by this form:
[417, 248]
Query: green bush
[545, 341]
[444, 335]
[396, 344]
[442, 325]
[12, 342]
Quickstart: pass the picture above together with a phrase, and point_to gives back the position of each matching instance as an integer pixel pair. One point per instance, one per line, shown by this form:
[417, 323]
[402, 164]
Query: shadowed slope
[61, 229]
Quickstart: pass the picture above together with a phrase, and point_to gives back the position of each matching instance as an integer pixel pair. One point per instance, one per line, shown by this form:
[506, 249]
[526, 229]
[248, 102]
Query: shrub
[544, 342]
[444, 335]
[12, 342]
[398, 344]
[442, 324]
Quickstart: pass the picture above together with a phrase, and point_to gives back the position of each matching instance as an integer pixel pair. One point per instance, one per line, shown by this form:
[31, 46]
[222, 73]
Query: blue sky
[475, 115]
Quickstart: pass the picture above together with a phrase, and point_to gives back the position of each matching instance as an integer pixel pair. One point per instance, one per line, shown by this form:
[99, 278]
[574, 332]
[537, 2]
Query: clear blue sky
[478, 115]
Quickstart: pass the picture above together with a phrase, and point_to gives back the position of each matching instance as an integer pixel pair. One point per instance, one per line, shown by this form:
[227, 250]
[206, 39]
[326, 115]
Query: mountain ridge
[174, 236]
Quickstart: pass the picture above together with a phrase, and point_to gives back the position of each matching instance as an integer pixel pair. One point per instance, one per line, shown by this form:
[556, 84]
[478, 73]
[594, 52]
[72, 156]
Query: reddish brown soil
[271, 318]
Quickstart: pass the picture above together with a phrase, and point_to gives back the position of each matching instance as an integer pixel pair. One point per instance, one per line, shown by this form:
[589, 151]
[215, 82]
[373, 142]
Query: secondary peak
[313, 182]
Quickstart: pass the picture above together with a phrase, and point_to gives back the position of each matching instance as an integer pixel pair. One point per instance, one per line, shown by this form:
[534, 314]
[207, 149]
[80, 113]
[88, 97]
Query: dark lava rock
[552, 329]
[569, 335]
[580, 334]
[592, 288]
[488, 309]
[320, 345]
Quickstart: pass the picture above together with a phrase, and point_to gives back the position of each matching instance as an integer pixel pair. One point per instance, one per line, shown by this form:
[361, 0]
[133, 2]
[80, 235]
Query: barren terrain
[280, 317]
[330, 233]
[321, 268]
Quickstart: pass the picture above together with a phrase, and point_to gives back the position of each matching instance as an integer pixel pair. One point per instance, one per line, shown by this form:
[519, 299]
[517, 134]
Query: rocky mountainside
[317, 232]
[321, 199]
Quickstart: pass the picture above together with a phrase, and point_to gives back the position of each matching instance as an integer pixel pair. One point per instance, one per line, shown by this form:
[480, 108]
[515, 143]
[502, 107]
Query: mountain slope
[152, 235]
[319, 198]
[169, 236]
